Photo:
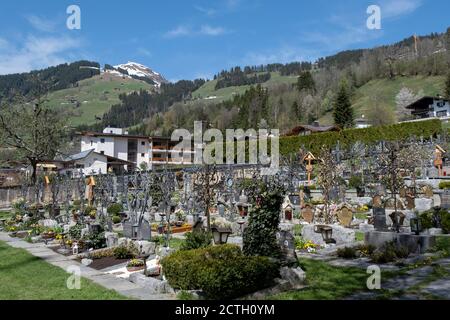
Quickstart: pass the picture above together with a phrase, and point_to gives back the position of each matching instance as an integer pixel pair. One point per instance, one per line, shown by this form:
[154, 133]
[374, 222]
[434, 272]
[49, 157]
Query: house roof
[85, 154]
[79, 156]
[313, 128]
[424, 102]
[111, 135]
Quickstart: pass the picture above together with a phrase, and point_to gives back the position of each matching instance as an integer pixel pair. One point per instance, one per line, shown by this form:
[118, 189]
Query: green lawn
[25, 277]
[208, 89]
[95, 95]
[5, 214]
[386, 90]
[326, 282]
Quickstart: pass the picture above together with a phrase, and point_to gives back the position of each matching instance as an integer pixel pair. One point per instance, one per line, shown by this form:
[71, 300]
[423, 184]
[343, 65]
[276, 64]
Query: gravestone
[410, 203]
[402, 192]
[334, 195]
[128, 229]
[345, 216]
[445, 199]
[286, 241]
[428, 191]
[379, 219]
[308, 214]
[145, 231]
[377, 201]
[112, 239]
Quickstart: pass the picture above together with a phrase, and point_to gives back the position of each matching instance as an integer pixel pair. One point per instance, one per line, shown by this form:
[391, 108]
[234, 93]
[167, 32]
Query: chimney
[316, 124]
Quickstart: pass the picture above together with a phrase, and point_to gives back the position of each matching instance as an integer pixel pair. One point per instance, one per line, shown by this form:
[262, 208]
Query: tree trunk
[33, 163]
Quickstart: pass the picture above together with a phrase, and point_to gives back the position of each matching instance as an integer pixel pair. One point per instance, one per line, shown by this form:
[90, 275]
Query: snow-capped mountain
[137, 70]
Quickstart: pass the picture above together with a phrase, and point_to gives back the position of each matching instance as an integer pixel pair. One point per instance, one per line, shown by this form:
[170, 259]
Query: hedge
[221, 272]
[396, 132]
[371, 135]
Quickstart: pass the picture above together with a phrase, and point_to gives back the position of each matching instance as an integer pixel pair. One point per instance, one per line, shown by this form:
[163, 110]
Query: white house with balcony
[117, 143]
[138, 151]
[430, 107]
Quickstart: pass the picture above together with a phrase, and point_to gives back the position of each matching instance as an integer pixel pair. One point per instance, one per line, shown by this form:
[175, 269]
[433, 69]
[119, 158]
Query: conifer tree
[447, 87]
[343, 112]
[306, 82]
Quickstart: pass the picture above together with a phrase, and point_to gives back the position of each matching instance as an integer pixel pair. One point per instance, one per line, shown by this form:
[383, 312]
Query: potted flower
[135, 265]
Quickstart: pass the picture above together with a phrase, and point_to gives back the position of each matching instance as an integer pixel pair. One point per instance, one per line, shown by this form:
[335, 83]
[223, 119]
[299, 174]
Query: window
[102, 152]
[143, 143]
[142, 155]
[92, 142]
[102, 140]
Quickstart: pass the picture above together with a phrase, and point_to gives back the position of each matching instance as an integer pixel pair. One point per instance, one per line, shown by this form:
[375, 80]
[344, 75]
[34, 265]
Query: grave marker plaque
[286, 241]
[428, 192]
[410, 203]
[145, 231]
[308, 214]
[377, 202]
[128, 229]
[379, 219]
[445, 199]
[345, 216]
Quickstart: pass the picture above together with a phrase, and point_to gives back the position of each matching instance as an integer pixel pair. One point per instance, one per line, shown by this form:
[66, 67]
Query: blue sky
[189, 39]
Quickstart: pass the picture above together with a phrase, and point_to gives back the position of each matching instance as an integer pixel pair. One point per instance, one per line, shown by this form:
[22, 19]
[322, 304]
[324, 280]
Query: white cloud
[36, 53]
[212, 31]
[395, 8]
[207, 11]
[144, 52]
[41, 24]
[185, 31]
[178, 32]
[284, 54]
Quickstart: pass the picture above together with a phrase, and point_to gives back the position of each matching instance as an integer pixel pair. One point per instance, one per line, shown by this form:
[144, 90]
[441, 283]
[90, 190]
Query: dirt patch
[106, 262]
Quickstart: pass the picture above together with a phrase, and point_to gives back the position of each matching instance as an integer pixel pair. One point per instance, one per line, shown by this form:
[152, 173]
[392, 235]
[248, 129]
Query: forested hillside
[302, 92]
[48, 80]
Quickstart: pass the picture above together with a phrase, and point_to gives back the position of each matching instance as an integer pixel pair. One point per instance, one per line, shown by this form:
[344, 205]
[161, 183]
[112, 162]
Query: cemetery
[228, 232]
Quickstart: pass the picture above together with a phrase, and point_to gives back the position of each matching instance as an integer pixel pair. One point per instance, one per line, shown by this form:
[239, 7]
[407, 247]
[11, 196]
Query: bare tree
[35, 132]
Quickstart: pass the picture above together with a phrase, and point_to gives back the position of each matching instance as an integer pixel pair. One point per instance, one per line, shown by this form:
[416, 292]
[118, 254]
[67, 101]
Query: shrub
[159, 240]
[196, 240]
[126, 251]
[445, 221]
[89, 209]
[115, 209]
[97, 241]
[116, 219]
[389, 252]
[355, 182]
[426, 219]
[443, 245]
[135, 263]
[75, 231]
[444, 185]
[222, 272]
[260, 235]
[347, 253]
[101, 254]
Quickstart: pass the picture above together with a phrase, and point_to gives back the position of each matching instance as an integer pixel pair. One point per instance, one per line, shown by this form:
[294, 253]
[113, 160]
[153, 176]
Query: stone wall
[9, 195]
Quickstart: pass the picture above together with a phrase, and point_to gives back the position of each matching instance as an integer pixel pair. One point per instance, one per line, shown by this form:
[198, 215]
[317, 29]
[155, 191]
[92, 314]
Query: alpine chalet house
[306, 130]
[138, 151]
[430, 107]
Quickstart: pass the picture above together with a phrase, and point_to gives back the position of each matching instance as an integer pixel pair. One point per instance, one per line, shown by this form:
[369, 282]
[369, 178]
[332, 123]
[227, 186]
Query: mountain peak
[138, 70]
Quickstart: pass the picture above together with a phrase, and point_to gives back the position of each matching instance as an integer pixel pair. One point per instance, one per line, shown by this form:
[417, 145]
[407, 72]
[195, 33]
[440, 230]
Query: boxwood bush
[197, 240]
[222, 272]
[115, 209]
